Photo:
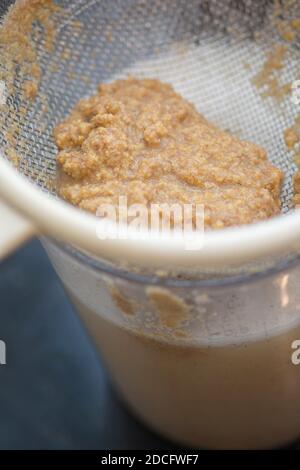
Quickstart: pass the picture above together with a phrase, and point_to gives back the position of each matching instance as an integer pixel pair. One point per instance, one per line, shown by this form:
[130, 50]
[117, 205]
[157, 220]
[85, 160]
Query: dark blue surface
[54, 392]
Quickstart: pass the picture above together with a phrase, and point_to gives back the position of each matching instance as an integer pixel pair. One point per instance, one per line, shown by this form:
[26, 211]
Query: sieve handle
[14, 230]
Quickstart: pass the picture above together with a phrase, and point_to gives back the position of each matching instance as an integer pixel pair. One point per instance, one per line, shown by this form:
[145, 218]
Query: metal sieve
[211, 51]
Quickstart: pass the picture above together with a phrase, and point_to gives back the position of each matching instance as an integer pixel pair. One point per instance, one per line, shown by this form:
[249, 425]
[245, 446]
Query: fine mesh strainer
[209, 50]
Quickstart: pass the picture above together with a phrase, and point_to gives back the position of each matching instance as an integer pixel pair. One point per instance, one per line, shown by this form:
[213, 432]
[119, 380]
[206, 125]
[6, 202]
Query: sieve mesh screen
[209, 50]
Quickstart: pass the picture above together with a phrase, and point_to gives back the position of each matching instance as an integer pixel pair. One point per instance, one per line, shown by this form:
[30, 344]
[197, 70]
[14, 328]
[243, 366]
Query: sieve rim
[234, 245]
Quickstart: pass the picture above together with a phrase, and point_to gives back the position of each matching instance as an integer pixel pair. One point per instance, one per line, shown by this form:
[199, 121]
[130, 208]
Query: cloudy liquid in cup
[232, 396]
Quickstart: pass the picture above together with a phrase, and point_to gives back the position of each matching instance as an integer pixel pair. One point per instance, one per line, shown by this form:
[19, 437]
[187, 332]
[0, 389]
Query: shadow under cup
[206, 364]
